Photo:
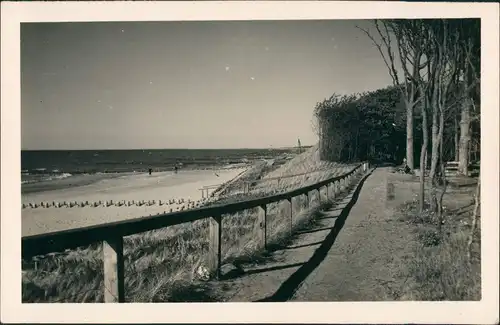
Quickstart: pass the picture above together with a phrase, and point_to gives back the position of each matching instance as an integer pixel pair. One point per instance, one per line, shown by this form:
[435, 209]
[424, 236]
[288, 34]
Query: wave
[41, 178]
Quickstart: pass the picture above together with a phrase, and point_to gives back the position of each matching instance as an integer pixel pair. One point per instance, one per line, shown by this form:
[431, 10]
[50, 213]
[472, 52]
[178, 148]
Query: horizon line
[144, 149]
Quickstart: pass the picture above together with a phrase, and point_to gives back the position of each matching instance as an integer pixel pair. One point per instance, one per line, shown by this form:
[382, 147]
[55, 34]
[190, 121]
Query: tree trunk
[470, 147]
[409, 135]
[435, 141]
[463, 160]
[435, 156]
[423, 158]
[427, 156]
[443, 173]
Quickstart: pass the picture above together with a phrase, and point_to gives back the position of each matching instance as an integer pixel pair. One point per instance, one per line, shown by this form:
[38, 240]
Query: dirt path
[349, 252]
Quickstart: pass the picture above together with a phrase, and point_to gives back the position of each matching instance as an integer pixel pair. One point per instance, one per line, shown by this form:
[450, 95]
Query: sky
[229, 84]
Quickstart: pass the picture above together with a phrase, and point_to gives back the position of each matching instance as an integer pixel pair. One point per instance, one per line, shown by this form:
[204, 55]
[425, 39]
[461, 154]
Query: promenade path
[351, 252]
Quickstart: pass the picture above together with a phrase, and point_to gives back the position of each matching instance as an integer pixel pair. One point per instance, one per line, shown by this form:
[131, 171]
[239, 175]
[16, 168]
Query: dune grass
[161, 264]
[439, 268]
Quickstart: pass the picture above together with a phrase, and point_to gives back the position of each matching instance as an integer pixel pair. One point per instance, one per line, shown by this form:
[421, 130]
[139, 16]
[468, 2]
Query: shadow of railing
[288, 288]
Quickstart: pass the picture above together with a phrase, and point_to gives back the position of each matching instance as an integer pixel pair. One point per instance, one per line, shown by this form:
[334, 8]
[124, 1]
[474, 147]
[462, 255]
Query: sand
[164, 186]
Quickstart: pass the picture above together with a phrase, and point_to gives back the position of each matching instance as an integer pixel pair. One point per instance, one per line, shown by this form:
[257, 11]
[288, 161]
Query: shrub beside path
[352, 251]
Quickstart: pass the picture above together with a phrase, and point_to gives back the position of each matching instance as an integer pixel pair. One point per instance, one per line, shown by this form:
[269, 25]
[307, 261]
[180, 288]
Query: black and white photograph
[335, 155]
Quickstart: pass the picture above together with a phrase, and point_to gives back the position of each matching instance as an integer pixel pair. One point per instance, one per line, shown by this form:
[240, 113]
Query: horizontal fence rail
[111, 234]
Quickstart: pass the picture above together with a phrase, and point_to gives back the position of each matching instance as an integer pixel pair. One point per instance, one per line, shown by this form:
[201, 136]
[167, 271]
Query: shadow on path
[313, 230]
[274, 268]
[288, 288]
[324, 218]
[305, 245]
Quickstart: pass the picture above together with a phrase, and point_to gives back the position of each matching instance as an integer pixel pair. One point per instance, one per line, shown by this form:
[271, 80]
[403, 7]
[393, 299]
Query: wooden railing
[111, 234]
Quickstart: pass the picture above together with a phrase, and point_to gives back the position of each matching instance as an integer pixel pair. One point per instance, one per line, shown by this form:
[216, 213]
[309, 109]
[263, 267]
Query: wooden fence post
[114, 270]
[215, 245]
[262, 220]
[307, 200]
[390, 191]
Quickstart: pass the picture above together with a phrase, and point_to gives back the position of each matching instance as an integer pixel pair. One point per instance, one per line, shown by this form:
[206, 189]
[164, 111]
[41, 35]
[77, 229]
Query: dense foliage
[372, 126]
[368, 126]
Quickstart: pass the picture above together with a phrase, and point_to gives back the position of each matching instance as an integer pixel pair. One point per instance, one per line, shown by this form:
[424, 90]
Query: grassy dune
[161, 264]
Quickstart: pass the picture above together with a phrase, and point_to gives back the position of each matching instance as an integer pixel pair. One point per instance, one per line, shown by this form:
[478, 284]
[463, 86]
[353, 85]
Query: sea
[46, 165]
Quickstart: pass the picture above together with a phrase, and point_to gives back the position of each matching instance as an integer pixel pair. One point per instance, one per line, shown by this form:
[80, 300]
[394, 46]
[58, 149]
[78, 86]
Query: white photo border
[12, 310]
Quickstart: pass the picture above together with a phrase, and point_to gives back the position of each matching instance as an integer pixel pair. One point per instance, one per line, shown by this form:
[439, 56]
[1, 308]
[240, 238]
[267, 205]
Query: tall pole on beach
[299, 145]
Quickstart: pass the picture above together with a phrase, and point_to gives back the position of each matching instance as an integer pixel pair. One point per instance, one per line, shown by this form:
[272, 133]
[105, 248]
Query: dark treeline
[372, 126]
[369, 126]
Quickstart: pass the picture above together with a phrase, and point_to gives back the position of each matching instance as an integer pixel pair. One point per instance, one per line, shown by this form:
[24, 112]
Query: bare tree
[445, 60]
[441, 47]
[402, 38]
[423, 151]
[452, 59]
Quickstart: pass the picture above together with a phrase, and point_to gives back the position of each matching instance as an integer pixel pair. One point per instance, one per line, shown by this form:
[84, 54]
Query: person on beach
[150, 171]
[176, 169]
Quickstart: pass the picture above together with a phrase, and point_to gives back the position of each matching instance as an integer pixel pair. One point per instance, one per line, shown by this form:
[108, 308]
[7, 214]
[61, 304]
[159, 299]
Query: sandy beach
[164, 186]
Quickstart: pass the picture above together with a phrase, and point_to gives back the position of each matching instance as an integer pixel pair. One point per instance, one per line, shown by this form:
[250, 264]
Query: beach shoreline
[119, 198]
[77, 180]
